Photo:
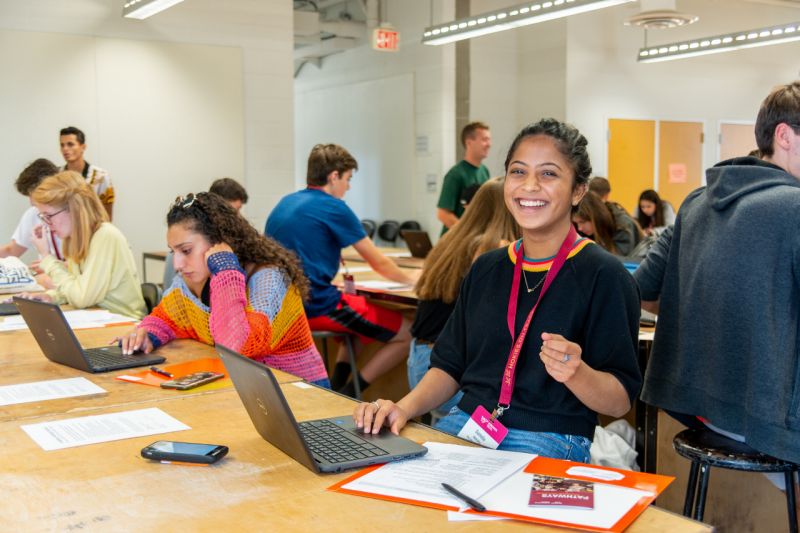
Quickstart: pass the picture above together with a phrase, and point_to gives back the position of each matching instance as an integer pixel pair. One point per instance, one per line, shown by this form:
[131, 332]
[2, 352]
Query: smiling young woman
[571, 353]
[235, 287]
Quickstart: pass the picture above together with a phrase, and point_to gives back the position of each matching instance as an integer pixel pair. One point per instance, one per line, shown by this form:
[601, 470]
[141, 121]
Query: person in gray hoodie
[727, 346]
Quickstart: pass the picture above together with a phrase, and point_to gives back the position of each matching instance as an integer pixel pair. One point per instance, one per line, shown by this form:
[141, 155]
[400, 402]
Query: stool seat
[326, 334]
[708, 447]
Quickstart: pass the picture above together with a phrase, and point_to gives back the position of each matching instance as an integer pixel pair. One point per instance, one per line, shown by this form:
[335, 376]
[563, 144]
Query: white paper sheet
[453, 516]
[398, 254]
[102, 428]
[76, 320]
[384, 285]
[646, 335]
[611, 503]
[302, 385]
[47, 390]
[355, 270]
[473, 471]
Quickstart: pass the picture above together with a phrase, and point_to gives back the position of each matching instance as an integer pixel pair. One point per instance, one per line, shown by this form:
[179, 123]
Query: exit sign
[385, 39]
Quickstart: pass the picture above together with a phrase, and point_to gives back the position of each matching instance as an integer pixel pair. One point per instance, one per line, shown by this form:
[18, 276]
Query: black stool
[706, 448]
[324, 336]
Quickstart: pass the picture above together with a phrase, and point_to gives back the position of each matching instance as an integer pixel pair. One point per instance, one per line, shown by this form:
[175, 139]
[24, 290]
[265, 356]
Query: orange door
[631, 159]
[680, 160]
[736, 140]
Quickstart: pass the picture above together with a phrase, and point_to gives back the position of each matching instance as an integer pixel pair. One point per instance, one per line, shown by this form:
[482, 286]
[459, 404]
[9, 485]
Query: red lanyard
[509, 375]
[55, 247]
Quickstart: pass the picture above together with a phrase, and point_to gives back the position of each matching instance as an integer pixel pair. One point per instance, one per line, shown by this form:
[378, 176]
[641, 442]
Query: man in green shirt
[477, 140]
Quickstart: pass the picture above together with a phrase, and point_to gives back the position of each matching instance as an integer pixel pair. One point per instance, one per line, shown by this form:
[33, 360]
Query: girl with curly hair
[235, 287]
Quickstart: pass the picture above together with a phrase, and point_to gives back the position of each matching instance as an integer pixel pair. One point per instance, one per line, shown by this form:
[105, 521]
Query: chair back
[369, 227]
[152, 296]
[410, 225]
[388, 231]
[169, 271]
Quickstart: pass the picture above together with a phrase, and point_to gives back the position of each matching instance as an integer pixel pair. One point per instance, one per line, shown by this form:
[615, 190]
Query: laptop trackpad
[383, 434]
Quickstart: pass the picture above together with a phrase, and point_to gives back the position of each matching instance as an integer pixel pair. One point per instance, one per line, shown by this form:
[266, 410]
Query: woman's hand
[135, 339]
[219, 247]
[371, 418]
[40, 241]
[38, 296]
[561, 358]
[35, 266]
[648, 232]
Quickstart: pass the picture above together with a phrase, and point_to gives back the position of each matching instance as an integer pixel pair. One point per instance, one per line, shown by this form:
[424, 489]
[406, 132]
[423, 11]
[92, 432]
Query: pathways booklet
[562, 492]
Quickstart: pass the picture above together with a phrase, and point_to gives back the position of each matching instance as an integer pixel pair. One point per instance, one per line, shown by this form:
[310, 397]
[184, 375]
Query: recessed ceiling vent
[660, 15]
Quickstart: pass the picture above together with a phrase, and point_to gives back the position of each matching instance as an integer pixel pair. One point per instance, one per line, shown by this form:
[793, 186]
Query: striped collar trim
[540, 265]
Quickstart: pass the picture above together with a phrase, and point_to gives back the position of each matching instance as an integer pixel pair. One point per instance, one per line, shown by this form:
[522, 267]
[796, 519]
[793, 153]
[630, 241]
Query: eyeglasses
[184, 201]
[48, 219]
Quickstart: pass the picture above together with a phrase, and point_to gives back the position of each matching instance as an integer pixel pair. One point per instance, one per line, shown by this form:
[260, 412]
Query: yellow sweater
[106, 277]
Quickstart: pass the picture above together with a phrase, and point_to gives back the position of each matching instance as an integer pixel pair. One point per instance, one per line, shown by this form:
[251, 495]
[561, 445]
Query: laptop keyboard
[8, 309]
[101, 358]
[336, 445]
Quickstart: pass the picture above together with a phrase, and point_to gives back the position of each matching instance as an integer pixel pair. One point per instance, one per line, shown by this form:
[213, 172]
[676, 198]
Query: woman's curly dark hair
[215, 219]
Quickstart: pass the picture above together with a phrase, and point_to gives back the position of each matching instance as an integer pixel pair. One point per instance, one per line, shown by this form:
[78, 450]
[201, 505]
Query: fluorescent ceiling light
[782, 33]
[141, 9]
[512, 17]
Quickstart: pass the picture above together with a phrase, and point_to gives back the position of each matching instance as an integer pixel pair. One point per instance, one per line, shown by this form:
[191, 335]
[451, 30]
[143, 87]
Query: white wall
[252, 86]
[371, 119]
[432, 69]
[604, 80]
[583, 69]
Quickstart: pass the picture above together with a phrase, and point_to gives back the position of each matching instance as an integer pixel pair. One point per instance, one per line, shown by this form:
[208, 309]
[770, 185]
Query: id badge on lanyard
[483, 428]
[349, 280]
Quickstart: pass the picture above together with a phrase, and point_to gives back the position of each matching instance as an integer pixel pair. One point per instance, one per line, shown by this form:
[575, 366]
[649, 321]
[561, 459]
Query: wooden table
[110, 487]
[350, 254]
[402, 298]
[22, 361]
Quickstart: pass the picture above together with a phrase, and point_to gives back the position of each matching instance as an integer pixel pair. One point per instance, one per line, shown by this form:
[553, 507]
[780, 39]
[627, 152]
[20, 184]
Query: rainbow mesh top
[539, 265]
[262, 318]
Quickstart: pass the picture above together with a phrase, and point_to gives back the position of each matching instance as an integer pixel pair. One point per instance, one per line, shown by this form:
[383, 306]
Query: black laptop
[58, 343]
[327, 445]
[419, 244]
[8, 309]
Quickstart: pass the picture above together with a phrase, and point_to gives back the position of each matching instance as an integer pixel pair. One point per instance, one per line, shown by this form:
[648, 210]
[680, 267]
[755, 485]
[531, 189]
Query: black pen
[472, 503]
[159, 371]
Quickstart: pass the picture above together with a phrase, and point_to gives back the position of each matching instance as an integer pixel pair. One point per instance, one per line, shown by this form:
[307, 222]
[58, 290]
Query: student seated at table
[231, 190]
[602, 188]
[316, 224]
[235, 195]
[578, 356]
[595, 219]
[26, 183]
[237, 288]
[100, 269]
[486, 225]
[653, 214]
[726, 352]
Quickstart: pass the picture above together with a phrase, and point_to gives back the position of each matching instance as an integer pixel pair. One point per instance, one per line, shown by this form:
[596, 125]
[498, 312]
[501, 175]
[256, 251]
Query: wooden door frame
[719, 132]
[607, 120]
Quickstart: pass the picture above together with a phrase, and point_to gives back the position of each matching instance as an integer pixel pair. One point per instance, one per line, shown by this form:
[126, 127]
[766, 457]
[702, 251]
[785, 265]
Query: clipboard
[183, 369]
[652, 484]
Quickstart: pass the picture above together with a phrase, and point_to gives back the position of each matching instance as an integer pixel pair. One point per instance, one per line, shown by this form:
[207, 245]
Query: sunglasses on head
[184, 201]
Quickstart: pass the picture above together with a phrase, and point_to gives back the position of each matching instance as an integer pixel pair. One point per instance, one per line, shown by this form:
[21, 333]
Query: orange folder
[148, 377]
[550, 467]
